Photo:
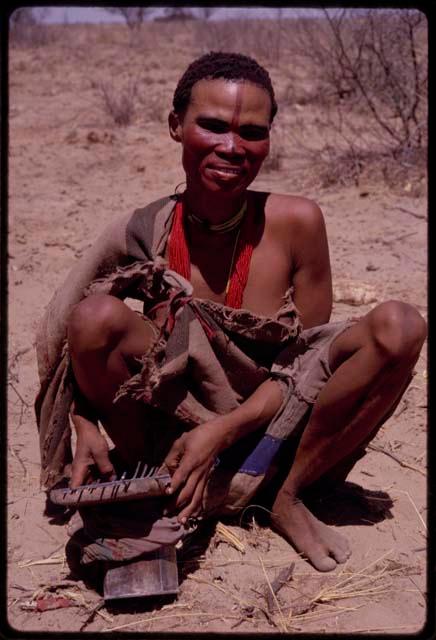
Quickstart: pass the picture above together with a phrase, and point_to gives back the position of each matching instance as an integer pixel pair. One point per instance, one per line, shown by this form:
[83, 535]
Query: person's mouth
[226, 171]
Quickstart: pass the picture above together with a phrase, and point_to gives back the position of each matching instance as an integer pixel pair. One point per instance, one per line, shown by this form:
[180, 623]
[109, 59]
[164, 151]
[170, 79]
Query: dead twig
[93, 612]
[411, 628]
[281, 579]
[91, 615]
[60, 559]
[376, 447]
[389, 242]
[406, 493]
[17, 457]
[152, 618]
[244, 604]
[420, 216]
[19, 587]
[403, 408]
[284, 627]
[26, 404]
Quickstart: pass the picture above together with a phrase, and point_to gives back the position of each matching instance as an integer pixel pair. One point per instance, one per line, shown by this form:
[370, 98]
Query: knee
[398, 330]
[96, 323]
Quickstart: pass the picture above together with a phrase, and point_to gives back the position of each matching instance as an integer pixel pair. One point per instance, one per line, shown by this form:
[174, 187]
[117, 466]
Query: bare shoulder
[301, 214]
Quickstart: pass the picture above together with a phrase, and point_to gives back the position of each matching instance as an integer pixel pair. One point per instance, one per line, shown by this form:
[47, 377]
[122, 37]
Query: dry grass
[262, 39]
[155, 618]
[370, 581]
[401, 462]
[289, 614]
[225, 534]
[57, 559]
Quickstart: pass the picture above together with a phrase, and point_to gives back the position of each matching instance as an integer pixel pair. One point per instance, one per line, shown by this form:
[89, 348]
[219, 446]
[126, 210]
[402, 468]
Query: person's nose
[231, 145]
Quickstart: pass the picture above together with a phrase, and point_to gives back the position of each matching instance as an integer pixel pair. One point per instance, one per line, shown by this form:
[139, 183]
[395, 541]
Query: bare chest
[268, 276]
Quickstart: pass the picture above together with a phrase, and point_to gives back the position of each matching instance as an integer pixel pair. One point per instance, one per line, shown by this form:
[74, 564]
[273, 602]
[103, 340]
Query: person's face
[224, 133]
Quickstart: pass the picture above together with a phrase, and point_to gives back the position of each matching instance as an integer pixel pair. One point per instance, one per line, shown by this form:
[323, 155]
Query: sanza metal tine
[146, 481]
[144, 473]
[137, 469]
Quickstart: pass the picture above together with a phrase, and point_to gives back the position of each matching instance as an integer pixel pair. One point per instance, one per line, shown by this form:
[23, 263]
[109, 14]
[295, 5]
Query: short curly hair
[219, 64]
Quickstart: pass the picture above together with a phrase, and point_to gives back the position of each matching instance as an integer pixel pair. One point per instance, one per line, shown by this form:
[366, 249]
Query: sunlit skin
[225, 139]
[224, 135]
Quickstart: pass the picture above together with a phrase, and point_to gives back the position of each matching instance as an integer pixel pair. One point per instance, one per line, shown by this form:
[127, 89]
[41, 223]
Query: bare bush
[134, 18]
[176, 13]
[370, 77]
[204, 13]
[27, 30]
[122, 103]
[119, 104]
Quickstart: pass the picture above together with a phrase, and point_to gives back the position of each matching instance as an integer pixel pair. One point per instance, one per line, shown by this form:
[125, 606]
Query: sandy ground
[71, 172]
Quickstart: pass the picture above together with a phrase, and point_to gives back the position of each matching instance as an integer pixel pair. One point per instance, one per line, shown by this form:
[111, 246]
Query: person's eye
[251, 132]
[216, 126]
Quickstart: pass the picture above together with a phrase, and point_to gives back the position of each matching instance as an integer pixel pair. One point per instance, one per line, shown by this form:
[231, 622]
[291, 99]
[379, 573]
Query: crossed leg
[371, 364]
[106, 339]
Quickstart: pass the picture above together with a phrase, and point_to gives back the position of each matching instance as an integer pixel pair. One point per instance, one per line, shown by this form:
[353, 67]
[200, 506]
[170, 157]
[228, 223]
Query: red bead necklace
[179, 259]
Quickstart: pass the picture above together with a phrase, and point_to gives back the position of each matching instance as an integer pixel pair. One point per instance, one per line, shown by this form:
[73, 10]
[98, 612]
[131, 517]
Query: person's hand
[190, 461]
[91, 448]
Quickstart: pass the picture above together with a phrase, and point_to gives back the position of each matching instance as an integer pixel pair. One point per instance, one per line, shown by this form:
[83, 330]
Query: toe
[338, 546]
[321, 560]
[341, 551]
[341, 555]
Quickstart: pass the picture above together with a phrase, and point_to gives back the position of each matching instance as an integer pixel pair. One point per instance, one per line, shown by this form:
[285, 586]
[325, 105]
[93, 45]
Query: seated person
[235, 342]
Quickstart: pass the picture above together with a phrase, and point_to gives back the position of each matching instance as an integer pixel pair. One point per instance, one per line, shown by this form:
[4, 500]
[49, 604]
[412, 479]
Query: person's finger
[182, 474]
[186, 481]
[194, 507]
[185, 494]
[173, 457]
[103, 463]
[79, 471]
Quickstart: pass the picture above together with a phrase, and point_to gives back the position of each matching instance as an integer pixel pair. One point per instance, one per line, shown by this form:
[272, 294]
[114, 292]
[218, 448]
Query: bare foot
[323, 547]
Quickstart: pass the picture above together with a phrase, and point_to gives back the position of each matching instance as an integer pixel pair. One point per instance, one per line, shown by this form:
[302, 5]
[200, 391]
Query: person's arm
[91, 446]
[51, 409]
[193, 455]
[311, 277]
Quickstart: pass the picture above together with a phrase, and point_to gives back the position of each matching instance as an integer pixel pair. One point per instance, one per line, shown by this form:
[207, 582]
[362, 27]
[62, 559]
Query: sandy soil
[71, 172]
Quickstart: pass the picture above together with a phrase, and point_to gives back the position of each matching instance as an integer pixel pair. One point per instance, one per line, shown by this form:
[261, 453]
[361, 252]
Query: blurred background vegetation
[351, 84]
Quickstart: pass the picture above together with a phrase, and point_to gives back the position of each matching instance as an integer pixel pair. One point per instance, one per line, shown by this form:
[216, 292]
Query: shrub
[370, 78]
[119, 104]
[26, 29]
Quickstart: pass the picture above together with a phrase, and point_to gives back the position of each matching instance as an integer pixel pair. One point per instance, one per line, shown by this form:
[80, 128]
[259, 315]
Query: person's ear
[175, 126]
